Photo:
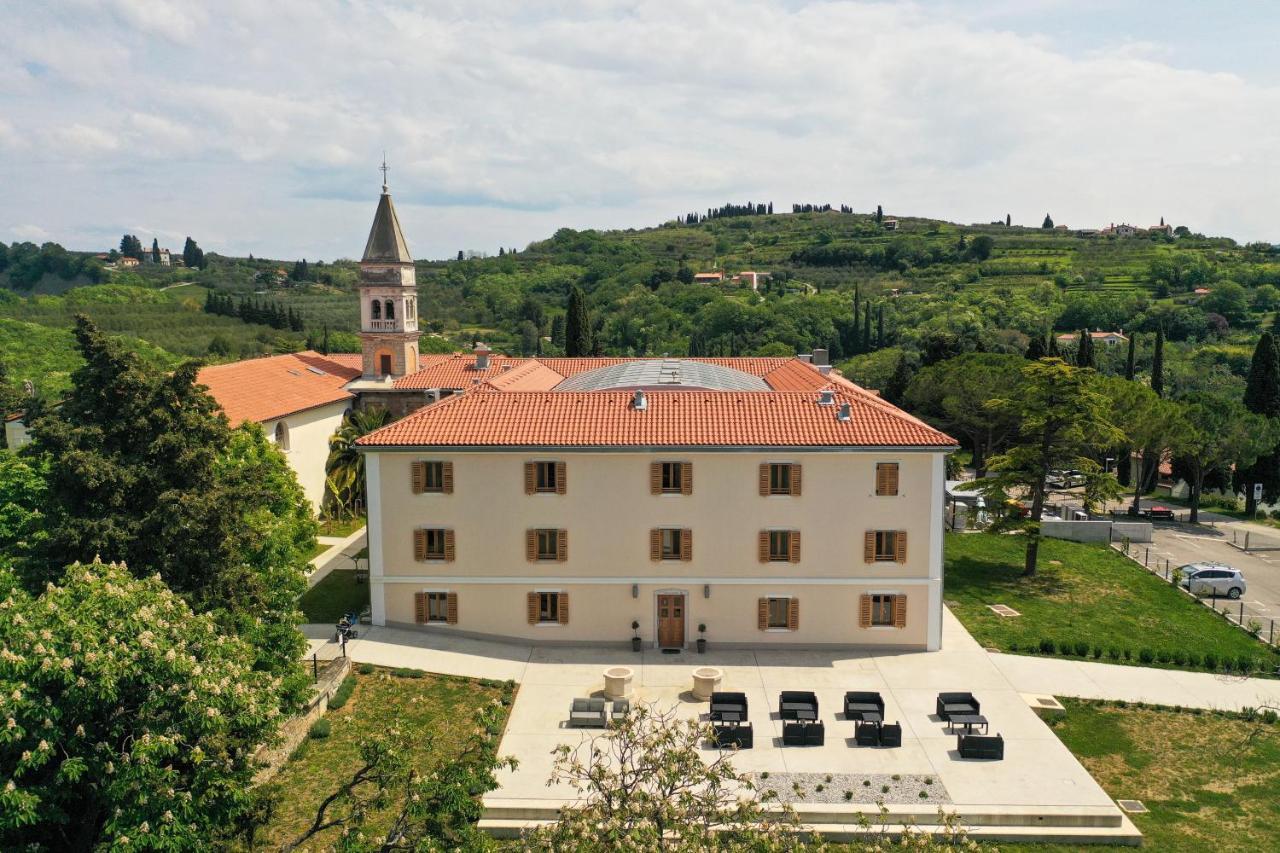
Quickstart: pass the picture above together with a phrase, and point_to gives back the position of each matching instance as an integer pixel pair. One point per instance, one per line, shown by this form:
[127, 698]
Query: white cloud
[262, 123]
[32, 233]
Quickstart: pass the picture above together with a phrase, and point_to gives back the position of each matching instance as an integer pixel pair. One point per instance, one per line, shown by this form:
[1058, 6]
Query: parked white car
[1215, 580]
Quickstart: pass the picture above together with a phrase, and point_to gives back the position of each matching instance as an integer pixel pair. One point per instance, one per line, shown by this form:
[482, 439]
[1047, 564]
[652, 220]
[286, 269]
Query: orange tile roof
[490, 418]
[260, 389]
[458, 370]
[454, 371]
[532, 375]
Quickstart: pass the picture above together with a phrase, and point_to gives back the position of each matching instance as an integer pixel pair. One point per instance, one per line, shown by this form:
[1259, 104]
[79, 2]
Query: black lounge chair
[793, 734]
[857, 703]
[729, 701]
[891, 734]
[791, 703]
[956, 703]
[621, 707]
[815, 734]
[740, 736]
[981, 746]
[866, 734]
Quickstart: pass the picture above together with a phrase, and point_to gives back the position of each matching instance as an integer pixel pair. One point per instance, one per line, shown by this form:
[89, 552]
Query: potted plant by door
[702, 641]
[635, 636]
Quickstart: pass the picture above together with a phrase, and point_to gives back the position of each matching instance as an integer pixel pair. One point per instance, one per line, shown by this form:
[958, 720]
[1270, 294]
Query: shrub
[866, 783]
[1082, 650]
[1013, 646]
[1210, 661]
[1047, 647]
[1097, 652]
[818, 787]
[321, 729]
[924, 794]
[365, 669]
[764, 775]
[1254, 627]
[895, 777]
[1245, 664]
[1193, 658]
[1128, 655]
[342, 694]
[1179, 657]
[1113, 653]
[884, 789]
[1227, 664]
[848, 795]
[1163, 656]
[406, 672]
[1146, 656]
[828, 778]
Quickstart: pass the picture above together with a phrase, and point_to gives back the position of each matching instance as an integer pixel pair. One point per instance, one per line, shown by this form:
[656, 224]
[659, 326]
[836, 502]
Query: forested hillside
[882, 300]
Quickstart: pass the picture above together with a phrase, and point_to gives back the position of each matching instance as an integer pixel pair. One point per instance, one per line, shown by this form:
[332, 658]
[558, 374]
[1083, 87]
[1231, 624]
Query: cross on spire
[385, 168]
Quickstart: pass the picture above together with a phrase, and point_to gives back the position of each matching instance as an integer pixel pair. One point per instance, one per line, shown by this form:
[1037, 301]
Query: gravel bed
[903, 789]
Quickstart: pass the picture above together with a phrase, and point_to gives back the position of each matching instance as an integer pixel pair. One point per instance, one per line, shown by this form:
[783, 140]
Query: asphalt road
[1184, 543]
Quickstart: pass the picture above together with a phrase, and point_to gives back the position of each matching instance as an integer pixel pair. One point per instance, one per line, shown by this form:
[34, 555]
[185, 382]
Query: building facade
[714, 499]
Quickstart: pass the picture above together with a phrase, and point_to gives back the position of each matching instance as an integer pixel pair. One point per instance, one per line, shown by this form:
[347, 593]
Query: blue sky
[259, 127]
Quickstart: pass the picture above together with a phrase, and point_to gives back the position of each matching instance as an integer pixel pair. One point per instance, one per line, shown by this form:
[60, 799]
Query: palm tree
[344, 469]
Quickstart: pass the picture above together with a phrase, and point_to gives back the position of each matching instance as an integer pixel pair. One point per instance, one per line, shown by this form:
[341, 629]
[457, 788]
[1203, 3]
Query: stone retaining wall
[293, 732]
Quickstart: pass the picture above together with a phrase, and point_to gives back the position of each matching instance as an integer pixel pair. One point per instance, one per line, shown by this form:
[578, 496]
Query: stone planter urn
[706, 680]
[617, 682]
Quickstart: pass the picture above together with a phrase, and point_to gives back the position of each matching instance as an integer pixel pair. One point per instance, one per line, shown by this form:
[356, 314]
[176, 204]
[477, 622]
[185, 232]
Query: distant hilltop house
[1124, 229]
[751, 278]
[128, 262]
[889, 224]
[1110, 339]
[149, 258]
[708, 277]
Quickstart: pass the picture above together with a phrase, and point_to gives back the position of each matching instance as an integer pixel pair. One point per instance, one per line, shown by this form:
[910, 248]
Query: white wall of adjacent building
[608, 511]
[305, 443]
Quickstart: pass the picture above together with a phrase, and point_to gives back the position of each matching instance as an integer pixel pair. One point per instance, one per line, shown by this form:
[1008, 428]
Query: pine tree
[1048, 222]
[896, 388]
[1131, 362]
[577, 331]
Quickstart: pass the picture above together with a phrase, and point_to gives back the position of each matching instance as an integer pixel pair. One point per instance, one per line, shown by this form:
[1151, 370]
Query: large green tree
[1222, 433]
[1262, 397]
[953, 395]
[1063, 419]
[1152, 425]
[132, 721]
[577, 332]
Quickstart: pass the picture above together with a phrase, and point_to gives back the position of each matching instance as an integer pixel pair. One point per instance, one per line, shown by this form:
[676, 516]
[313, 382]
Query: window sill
[778, 631]
[548, 625]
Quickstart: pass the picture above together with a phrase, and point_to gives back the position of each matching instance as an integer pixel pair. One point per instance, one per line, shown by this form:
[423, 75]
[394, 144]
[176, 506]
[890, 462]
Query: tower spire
[385, 168]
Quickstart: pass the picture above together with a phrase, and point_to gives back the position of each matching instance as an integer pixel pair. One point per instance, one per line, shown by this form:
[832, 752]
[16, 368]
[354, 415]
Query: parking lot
[1184, 543]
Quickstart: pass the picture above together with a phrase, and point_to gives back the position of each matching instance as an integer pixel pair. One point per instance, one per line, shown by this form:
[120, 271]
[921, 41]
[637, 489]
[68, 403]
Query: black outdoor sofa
[857, 703]
[798, 705]
[729, 720]
[874, 734]
[956, 703]
[804, 734]
[740, 735]
[735, 703]
[981, 746]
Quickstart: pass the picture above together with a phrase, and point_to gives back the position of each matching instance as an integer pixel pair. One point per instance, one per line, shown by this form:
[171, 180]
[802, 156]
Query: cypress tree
[1008, 219]
[1084, 354]
[880, 326]
[1157, 364]
[857, 325]
[866, 330]
[879, 213]
[155, 250]
[577, 332]
[1048, 222]
[1131, 362]
[1036, 349]
[1262, 396]
[1052, 346]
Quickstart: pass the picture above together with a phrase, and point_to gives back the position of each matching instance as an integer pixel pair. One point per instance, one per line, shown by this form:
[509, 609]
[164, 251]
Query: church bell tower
[388, 296]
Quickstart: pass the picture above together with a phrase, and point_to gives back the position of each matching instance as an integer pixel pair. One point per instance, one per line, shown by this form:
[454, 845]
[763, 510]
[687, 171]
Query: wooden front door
[671, 621]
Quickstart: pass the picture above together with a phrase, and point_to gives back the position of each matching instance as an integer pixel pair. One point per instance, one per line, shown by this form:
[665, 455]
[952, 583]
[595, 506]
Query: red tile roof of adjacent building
[490, 418]
[456, 371]
[261, 389]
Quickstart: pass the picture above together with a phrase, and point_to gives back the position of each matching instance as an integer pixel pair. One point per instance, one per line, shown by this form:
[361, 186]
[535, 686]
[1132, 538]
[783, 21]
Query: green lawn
[1208, 784]
[336, 594]
[441, 706]
[341, 529]
[1084, 594]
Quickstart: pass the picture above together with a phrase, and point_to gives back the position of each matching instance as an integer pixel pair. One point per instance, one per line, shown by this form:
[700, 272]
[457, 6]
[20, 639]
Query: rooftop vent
[826, 397]
[845, 412]
[806, 357]
[317, 371]
[640, 402]
[482, 356]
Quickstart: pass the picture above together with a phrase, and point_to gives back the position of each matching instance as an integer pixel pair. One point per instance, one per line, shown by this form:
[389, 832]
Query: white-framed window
[282, 436]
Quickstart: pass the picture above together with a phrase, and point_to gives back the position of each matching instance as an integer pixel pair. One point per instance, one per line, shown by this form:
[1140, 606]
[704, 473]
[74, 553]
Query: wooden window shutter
[886, 478]
[530, 478]
[869, 547]
[686, 544]
[560, 478]
[531, 545]
[420, 545]
[763, 546]
[451, 608]
[420, 608]
[418, 477]
[795, 478]
[900, 546]
[864, 611]
[794, 555]
[531, 604]
[655, 478]
[764, 479]
[449, 550]
[655, 544]
[446, 477]
[564, 607]
[686, 478]
[762, 614]
[562, 546]
[899, 611]
[793, 615]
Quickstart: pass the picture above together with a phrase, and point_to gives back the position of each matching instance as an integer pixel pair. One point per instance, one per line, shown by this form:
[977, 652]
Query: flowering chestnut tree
[126, 719]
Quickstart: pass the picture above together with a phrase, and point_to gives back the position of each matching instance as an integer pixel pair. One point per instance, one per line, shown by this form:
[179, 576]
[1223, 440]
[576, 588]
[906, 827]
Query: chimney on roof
[640, 402]
[820, 357]
[826, 397]
[807, 358]
[845, 412]
[482, 356]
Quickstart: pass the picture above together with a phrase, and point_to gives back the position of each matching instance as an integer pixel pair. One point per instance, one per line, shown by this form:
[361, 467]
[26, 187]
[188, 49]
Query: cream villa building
[563, 500]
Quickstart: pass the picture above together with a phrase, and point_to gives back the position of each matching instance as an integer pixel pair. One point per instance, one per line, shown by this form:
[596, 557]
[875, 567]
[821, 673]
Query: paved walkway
[1087, 680]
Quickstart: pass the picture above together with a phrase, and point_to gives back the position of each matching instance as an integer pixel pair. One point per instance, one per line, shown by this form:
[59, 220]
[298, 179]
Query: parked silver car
[1215, 580]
